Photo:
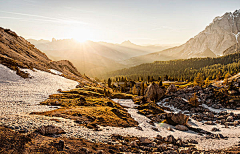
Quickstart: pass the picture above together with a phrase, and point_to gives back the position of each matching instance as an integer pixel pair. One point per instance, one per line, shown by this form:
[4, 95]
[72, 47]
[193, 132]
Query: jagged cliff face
[221, 34]
[16, 52]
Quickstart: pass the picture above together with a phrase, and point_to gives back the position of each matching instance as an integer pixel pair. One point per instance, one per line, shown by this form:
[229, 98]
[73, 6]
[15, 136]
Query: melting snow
[34, 90]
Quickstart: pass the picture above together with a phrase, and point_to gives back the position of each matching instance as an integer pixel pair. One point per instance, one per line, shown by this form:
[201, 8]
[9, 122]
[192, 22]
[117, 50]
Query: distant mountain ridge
[94, 58]
[16, 52]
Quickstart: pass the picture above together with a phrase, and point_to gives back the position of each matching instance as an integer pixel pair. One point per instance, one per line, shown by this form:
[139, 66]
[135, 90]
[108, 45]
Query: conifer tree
[109, 82]
[142, 89]
[198, 80]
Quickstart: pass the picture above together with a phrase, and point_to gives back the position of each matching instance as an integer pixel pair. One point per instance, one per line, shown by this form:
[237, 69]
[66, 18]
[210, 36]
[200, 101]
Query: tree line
[181, 70]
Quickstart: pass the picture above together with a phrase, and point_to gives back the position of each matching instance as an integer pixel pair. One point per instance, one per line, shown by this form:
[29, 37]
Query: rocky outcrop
[16, 52]
[154, 92]
[233, 49]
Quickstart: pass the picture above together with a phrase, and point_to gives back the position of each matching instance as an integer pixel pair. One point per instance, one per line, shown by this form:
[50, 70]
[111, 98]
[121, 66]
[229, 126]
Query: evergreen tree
[151, 79]
[109, 82]
[166, 77]
[148, 79]
[160, 83]
[142, 89]
[198, 80]
[134, 90]
[207, 82]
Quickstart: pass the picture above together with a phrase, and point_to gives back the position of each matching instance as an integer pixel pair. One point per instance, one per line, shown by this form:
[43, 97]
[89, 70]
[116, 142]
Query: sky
[140, 21]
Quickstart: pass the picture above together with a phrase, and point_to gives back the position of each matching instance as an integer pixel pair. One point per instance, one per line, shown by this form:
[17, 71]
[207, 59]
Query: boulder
[179, 142]
[181, 127]
[192, 141]
[209, 123]
[214, 129]
[133, 144]
[178, 119]
[196, 88]
[154, 92]
[235, 123]
[50, 130]
[144, 140]
[60, 145]
[171, 88]
[170, 129]
[159, 137]
[170, 139]
[229, 119]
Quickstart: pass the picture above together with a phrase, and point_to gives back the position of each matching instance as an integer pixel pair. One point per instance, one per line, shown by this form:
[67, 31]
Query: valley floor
[19, 97]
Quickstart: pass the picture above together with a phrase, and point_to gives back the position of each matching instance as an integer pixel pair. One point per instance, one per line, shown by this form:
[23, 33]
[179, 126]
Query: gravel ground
[19, 97]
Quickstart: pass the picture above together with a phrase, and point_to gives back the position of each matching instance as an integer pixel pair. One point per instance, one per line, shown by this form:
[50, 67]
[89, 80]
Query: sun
[81, 35]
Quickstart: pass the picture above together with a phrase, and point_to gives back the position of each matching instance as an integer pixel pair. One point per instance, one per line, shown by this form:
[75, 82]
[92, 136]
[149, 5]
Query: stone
[180, 118]
[220, 136]
[209, 123]
[192, 141]
[229, 119]
[23, 130]
[100, 152]
[179, 142]
[50, 130]
[171, 89]
[60, 145]
[185, 151]
[110, 104]
[154, 92]
[236, 123]
[196, 88]
[210, 114]
[133, 144]
[139, 128]
[155, 129]
[170, 129]
[214, 129]
[181, 127]
[144, 140]
[85, 150]
[159, 137]
[170, 139]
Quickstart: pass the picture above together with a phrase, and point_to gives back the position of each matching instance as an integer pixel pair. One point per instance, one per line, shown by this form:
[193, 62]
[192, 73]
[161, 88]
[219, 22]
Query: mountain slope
[218, 36]
[16, 52]
[233, 49]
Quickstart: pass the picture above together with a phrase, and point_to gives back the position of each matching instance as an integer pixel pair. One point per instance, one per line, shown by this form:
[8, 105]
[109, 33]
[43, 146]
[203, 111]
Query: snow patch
[236, 36]
[55, 72]
[38, 88]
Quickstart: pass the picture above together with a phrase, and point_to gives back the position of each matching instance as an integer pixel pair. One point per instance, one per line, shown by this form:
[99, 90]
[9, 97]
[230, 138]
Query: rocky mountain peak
[229, 22]
[218, 36]
[127, 43]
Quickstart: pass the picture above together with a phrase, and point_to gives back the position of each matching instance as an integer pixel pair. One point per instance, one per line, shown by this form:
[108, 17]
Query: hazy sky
[140, 21]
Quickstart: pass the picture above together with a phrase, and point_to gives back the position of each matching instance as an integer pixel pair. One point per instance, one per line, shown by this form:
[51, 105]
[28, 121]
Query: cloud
[45, 18]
